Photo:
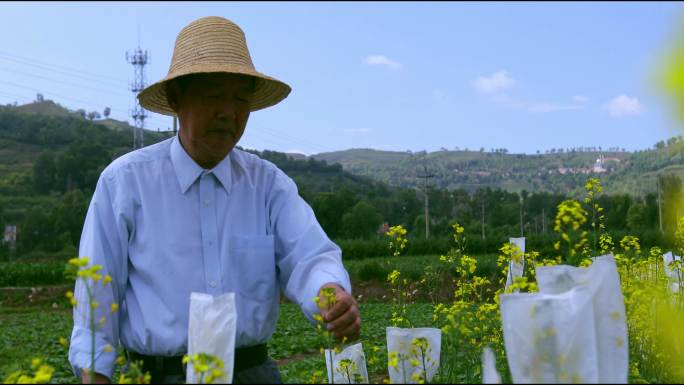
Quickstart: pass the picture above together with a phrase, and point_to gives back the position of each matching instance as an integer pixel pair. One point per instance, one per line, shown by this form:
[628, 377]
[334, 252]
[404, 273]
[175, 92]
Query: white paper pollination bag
[670, 271]
[417, 351]
[489, 373]
[550, 338]
[347, 366]
[603, 282]
[211, 330]
[515, 269]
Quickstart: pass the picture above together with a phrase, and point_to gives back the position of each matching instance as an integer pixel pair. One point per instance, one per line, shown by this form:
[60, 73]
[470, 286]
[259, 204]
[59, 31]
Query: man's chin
[218, 150]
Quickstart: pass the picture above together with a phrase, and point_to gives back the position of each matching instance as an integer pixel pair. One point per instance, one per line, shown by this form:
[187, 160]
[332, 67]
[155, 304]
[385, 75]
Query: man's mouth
[221, 130]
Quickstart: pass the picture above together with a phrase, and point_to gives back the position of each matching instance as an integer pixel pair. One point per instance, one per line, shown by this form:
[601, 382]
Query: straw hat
[213, 44]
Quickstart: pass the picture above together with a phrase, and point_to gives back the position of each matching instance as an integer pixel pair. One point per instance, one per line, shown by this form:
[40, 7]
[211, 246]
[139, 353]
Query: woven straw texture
[213, 44]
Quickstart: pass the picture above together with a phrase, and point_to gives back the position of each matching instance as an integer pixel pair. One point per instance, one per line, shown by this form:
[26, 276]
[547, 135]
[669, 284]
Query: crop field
[514, 316]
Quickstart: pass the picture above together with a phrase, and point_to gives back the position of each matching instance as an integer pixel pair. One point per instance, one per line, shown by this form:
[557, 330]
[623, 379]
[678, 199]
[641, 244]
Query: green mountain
[50, 159]
[70, 151]
[29, 130]
[566, 172]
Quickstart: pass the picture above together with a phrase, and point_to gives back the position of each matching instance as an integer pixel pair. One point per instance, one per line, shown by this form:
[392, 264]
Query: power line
[262, 135]
[77, 70]
[280, 136]
[55, 80]
[67, 73]
[293, 138]
[115, 108]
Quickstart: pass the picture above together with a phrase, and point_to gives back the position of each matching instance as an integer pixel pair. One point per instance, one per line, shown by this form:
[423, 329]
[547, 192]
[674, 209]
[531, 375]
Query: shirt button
[207, 202]
[211, 243]
[212, 284]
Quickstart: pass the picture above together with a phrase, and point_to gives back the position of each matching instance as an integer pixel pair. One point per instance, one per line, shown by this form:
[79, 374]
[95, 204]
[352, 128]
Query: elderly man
[193, 214]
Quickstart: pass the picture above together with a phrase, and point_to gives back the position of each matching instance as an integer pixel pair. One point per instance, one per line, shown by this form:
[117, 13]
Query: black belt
[158, 366]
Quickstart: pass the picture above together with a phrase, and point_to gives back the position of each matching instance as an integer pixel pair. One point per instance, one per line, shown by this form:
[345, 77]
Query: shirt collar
[187, 170]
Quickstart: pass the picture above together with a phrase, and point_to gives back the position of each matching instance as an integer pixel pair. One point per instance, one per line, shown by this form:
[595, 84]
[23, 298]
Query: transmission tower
[139, 59]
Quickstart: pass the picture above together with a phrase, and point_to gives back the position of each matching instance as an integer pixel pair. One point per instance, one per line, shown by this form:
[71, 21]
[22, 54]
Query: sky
[525, 76]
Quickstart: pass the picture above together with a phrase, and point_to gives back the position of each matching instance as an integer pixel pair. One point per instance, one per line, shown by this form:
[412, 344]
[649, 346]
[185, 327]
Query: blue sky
[526, 76]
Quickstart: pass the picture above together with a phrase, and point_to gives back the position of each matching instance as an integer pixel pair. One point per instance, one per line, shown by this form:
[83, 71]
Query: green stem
[422, 354]
[332, 367]
[92, 333]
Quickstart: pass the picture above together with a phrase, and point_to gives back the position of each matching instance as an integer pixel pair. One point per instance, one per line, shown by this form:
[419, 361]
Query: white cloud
[381, 60]
[357, 130]
[298, 151]
[550, 107]
[535, 107]
[623, 105]
[493, 83]
[438, 95]
[580, 99]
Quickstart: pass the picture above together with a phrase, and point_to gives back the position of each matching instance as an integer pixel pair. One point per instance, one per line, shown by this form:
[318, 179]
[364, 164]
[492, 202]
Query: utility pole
[660, 208]
[521, 216]
[427, 212]
[483, 218]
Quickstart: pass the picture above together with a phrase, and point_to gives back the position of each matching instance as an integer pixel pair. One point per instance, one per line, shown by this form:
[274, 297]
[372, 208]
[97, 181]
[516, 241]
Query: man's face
[213, 110]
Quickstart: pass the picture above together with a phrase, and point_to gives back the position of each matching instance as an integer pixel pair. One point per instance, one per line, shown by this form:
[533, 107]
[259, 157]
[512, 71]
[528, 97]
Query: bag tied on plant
[550, 338]
[413, 354]
[516, 264]
[672, 272]
[347, 366]
[489, 373]
[602, 280]
[211, 330]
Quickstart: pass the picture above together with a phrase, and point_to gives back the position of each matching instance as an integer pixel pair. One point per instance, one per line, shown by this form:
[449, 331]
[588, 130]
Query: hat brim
[268, 91]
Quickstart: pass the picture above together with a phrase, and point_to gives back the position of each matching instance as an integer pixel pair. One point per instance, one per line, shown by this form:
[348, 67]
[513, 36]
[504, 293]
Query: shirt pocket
[253, 264]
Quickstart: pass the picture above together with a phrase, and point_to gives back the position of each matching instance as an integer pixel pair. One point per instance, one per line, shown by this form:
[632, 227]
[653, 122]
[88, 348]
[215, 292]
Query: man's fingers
[340, 308]
[352, 331]
[344, 320]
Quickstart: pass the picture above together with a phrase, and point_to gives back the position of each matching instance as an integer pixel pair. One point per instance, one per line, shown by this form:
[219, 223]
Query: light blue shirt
[163, 227]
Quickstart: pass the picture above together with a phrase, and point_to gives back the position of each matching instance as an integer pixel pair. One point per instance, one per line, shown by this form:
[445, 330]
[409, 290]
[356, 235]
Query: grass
[295, 344]
[48, 269]
[410, 266]
[33, 320]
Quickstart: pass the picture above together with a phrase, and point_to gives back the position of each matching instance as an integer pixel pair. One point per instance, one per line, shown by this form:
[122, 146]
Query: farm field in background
[454, 292]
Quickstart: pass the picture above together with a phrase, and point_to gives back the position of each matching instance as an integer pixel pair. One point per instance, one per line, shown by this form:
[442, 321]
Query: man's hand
[343, 317]
[99, 379]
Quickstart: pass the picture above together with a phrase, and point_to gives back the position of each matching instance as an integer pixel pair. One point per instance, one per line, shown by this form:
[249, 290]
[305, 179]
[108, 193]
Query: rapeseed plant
[209, 367]
[42, 374]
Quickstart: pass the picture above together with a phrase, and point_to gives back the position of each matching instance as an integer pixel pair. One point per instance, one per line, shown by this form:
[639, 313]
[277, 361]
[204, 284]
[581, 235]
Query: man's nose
[226, 112]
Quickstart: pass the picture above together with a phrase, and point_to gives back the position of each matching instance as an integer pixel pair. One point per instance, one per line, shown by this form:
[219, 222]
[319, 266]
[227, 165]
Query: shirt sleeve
[306, 258]
[104, 241]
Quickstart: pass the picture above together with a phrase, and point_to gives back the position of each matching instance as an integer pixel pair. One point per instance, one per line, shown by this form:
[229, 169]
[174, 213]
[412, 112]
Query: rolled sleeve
[307, 259]
[104, 242]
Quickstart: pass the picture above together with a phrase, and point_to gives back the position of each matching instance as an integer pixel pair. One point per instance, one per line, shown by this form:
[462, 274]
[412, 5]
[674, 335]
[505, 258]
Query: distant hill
[621, 172]
[46, 107]
[29, 130]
